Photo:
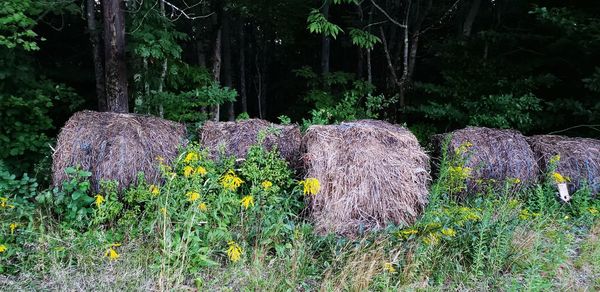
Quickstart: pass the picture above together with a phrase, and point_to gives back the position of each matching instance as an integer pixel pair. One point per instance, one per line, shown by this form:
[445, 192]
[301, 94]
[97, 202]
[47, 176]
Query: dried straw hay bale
[235, 138]
[579, 158]
[494, 157]
[114, 146]
[372, 173]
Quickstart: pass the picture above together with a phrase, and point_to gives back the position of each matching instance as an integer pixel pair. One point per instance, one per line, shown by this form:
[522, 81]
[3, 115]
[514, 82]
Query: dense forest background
[434, 65]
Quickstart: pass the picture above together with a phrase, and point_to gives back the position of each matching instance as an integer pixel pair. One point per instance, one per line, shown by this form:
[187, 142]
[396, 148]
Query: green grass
[496, 241]
[500, 252]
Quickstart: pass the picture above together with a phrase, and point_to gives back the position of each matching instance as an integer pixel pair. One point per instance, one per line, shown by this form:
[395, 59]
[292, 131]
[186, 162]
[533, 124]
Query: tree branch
[387, 15]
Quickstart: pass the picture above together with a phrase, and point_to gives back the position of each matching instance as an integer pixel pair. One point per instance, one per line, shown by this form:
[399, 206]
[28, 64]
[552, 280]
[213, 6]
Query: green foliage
[72, 202]
[363, 38]
[16, 24]
[318, 23]
[338, 97]
[24, 187]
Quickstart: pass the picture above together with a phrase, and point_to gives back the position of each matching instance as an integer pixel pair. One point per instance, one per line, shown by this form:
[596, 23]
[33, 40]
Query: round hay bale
[494, 156]
[235, 138]
[115, 146]
[579, 158]
[371, 173]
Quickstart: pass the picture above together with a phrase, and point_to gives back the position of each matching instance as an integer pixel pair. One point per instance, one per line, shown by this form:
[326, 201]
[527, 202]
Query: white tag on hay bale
[563, 192]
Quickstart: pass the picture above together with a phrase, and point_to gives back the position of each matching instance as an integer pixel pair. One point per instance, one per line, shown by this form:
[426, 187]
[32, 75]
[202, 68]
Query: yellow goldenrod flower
[524, 214]
[112, 254]
[311, 186]
[191, 157]
[432, 239]
[163, 210]
[12, 227]
[459, 172]
[266, 185]
[554, 159]
[558, 178]
[4, 203]
[3, 248]
[389, 267]
[154, 190]
[234, 252]
[449, 232]
[593, 211]
[202, 206]
[247, 201]
[201, 171]
[462, 148]
[513, 203]
[231, 181]
[515, 180]
[187, 171]
[99, 200]
[409, 231]
[193, 196]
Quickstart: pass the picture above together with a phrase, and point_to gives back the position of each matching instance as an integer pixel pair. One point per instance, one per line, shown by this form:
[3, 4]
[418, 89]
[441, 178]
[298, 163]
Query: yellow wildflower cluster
[513, 203]
[193, 196]
[12, 227]
[201, 170]
[459, 172]
[450, 232]
[432, 239]
[231, 181]
[555, 159]
[154, 190]
[266, 185]
[99, 200]
[4, 203]
[311, 186]
[191, 157]
[111, 253]
[247, 201]
[463, 148]
[389, 267]
[187, 171]
[559, 178]
[526, 214]
[514, 180]
[3, 248]
[203, 207]
[406, 233]
[593, 211]
[234, 252]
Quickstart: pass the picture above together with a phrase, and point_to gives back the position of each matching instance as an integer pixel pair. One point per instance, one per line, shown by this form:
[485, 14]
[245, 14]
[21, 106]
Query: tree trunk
[227, 78]
[470, 19]
[242, 64]
[217, 71]
[97, 53]
[163, 73]
[325, 42]
[114, 56]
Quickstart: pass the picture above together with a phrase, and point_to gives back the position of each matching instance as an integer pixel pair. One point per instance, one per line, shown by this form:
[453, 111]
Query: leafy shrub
[72, 202]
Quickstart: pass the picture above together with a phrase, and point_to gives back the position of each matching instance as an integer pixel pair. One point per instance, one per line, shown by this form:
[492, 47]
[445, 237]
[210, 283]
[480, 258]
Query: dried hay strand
[495, 158]
[114, 146]
[371, 173]
[579, 158]
[235, 138]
